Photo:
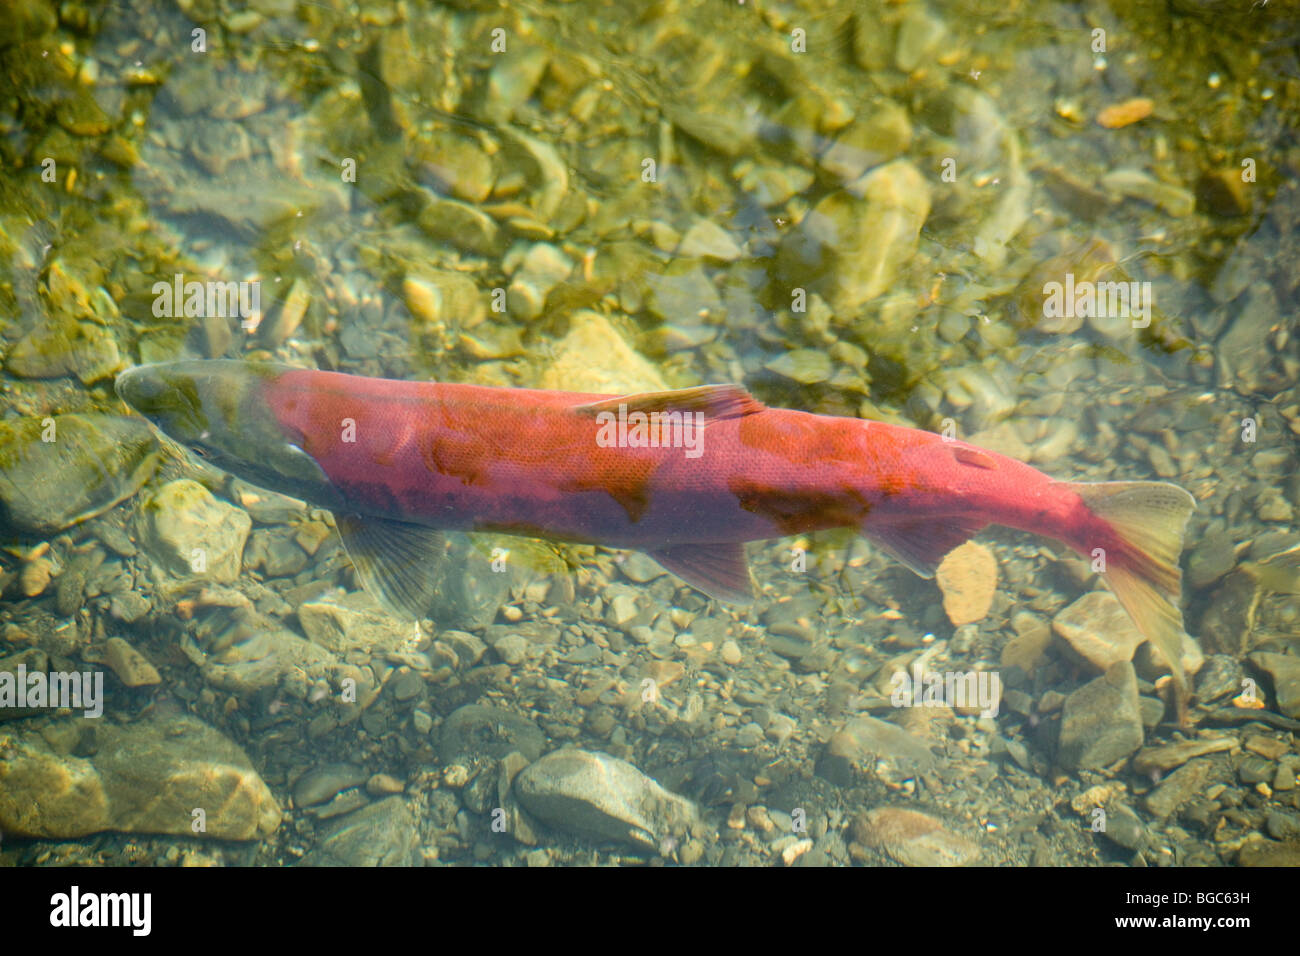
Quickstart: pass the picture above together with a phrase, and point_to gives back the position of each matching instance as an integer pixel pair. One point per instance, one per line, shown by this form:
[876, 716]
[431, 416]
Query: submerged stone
[1102, 721]
[193, 534]
[599, 797]
[57, 471]
[145, 777]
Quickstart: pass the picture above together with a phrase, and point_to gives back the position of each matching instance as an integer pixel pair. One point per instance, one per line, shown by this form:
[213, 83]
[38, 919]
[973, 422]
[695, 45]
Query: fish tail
[1148, 519]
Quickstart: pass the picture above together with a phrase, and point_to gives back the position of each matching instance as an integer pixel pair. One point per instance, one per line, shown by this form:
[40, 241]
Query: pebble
[968, 578]
[806, 366]
[351, 622]
[868, 737]
[640, 568]
[1211, 558]
[781, 729]
[913, 838]
[664, 673]
[1223, 192]
[731, 653]
[921, 37]
[775, 185]
[621, 610]
[1283, 671]
[193, 534]
[383, 833]
[1169, 756]
[382, 784]
[461, 225]
[868, 142]
[1268, 747]
[1179, 787]
[706, 239]
[455, 165]
[1127, 113]
[1136, 184]
[795, 850]
[35, 576]
[310, 535]
[511, 649]
[131, 667]
[480, 730]
[1099, 629]
[1124, 827]
[857, 245]
[1026, 649]
[1102, 722]
[321, 784]
[602, 798]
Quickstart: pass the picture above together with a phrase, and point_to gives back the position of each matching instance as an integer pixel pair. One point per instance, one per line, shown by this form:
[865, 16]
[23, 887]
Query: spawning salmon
[687, 476]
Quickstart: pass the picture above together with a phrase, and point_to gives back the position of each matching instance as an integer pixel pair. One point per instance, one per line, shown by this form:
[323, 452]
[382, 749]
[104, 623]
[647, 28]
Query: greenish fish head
[218, 411]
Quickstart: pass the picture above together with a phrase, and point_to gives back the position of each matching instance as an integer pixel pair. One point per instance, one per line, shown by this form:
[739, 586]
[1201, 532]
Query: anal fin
[719, 570]
[921, 545]
[396, 562]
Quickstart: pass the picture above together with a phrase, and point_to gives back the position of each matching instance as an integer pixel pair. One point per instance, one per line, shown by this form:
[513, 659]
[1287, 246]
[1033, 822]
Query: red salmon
[687, 476]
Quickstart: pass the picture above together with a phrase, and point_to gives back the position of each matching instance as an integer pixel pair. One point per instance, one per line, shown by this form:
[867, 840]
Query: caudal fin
[1148, 518]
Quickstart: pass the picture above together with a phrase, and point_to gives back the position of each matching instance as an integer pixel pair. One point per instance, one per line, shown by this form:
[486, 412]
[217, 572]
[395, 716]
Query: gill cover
[219, 411]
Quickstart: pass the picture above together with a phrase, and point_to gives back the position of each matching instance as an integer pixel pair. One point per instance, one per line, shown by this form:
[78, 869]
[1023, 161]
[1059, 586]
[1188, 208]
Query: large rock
[601, 798]
[913, 838]
[59, 346]
[380, 834]
[865, 742]
[144, 777]
[1284, 669]
[851, 249]
[1102, 721]
[478, 730]
[352, 621]
[1098, 627]
[244, 652]
[594, 357]
[88, 464]
[194, 535]
[471, 590]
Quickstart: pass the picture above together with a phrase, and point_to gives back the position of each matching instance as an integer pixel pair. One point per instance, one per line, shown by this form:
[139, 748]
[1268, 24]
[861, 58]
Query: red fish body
[556, 465]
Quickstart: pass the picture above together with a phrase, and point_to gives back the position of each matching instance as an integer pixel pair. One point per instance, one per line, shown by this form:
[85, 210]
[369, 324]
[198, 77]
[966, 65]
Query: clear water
[851, 209]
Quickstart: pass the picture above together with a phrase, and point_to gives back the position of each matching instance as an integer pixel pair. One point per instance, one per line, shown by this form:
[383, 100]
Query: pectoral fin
[921, 545]
[719, 570]
[396, 562]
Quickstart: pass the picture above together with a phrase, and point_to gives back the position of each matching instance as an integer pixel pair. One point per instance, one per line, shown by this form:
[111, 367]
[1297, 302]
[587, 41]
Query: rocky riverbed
[853, 209]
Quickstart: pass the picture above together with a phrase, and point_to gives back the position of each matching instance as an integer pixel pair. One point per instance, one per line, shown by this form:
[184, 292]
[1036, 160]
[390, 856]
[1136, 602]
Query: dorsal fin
[715, 401]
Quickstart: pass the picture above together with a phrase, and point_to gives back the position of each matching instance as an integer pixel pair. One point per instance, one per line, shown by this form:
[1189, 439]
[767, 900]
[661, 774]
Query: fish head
[218, 411]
